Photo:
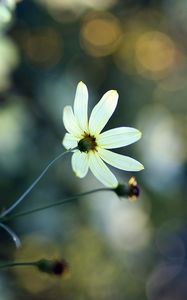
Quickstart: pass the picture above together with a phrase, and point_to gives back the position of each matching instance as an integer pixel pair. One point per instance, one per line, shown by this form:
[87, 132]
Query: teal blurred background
[116, 249]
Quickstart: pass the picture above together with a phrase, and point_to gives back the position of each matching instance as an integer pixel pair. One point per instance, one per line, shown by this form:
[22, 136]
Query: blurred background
[116, 249]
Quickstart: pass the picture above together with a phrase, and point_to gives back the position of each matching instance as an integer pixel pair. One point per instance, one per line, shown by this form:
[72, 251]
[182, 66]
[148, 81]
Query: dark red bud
[55, 267]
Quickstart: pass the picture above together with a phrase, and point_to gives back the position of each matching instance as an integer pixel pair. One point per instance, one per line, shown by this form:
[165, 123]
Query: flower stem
[67, 200]
[18, 264]
[13, 235]
[21, 198]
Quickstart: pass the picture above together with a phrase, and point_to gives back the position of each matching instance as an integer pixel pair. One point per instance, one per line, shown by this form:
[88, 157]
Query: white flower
[92, 145]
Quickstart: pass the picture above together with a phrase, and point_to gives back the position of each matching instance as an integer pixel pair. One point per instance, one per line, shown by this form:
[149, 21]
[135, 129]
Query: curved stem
[18, 264]
[67, 200]
[13, 235]
[20, 199]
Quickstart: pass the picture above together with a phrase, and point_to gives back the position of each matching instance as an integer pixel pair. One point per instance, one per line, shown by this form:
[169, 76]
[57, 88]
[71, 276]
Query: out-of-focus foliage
[116, 249]
[7, 8]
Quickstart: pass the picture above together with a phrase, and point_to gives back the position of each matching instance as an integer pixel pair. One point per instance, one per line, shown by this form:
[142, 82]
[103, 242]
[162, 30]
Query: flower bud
[55, 267]
[130, 190]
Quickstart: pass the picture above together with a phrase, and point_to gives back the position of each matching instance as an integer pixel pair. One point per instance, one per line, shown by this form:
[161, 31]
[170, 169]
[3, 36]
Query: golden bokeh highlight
[125, 55]
[155, 52]
[100, 34]
[43, 47]
[76, 6]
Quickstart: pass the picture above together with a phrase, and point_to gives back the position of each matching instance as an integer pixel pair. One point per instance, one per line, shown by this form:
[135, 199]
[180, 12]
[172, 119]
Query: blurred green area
[116, 249]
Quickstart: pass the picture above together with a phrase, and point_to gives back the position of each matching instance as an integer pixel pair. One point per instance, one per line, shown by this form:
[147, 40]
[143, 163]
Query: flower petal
[118, 137]
[81, 106]
[101, 171]
[120, 161]
[102, 112]
[70, 122]
[69, 141]
[80, 163]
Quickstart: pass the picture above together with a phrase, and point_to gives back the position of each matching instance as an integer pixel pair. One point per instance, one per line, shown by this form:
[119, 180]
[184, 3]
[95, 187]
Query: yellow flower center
[87, 143]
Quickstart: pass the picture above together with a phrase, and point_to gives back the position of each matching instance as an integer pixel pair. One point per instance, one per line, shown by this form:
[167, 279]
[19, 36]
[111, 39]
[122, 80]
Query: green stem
[21, 198]
[18, 264]
[67, 200]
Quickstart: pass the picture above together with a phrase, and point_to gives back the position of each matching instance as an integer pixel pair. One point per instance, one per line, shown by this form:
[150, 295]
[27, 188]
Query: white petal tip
[63, 144]
[67, 148]
[66, 107]
[141, 168]
[139, 134]
[114, 92]
[81, 83]
[78, 175]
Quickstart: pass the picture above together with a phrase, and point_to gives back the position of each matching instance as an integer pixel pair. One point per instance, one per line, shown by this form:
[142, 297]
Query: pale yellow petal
[118, 137]
[101, 171]
[80, 163]
[81, 106]
[120, 161]
[70, 122]
[102, 112]
[69, 141]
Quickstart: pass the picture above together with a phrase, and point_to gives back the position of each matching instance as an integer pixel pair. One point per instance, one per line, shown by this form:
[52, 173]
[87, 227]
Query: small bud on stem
[55, 267]
[130, 190]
